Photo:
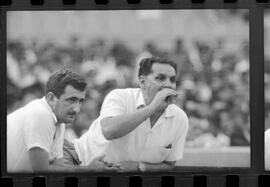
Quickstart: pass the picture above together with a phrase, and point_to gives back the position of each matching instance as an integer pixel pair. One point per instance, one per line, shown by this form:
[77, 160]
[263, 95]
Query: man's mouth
[71, 115]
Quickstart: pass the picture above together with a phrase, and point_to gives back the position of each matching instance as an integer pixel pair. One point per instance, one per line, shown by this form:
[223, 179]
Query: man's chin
[69, 120]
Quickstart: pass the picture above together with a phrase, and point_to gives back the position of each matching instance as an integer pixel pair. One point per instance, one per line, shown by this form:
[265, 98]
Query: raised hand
[163, 98]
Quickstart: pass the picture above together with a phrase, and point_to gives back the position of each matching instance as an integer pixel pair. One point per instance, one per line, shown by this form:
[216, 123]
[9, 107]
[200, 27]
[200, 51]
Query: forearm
[66, 168]
[118, 126]
[58, 165]
[39, 162]
[164, 166]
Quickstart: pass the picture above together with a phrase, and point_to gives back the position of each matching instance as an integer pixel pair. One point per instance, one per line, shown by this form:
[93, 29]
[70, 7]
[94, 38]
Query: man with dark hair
[141, 129]
[35, 132]
[146, 65]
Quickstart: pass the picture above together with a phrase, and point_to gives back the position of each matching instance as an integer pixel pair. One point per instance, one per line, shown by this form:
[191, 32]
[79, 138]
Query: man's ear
[51, 99]
[142, 81]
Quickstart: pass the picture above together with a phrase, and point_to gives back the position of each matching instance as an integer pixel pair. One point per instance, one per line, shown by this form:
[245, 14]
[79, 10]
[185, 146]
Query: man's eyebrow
[74, 97]
[162, 74]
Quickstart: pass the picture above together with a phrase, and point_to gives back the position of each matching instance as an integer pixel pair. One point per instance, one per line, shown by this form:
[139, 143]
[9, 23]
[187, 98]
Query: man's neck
[145, 97]
[154, 118]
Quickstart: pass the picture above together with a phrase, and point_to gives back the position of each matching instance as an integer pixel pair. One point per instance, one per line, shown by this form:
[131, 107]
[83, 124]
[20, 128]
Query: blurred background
[211, 48]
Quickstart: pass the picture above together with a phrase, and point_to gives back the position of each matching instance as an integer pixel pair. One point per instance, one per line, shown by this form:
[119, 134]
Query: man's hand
[58, 162]
[128, 166]
[163, 98]
[98, 165]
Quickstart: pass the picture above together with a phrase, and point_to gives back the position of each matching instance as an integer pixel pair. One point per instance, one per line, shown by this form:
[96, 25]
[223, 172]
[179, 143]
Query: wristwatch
[142, 167]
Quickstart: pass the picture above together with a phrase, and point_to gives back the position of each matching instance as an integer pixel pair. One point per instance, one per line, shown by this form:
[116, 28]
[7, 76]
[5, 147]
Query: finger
[177, 94]
[174, 93]
[171, 94]
[103, 161]
[117, 165]
[100, 158]
[170, 98]
[170, 90]
[108, 164]
[121, 170]
[111, 169]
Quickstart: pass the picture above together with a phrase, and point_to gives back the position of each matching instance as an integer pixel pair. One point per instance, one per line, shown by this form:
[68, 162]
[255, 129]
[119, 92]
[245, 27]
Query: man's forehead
[164, 69]
[70, 91]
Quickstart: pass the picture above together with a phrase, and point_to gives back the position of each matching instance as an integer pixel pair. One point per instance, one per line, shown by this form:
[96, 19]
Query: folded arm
[164, 166]
[40, 163]
[132, 166]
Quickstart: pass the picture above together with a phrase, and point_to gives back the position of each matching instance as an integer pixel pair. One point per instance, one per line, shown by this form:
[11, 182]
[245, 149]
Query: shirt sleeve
[114, 104]
[179, 142]
[39, 131]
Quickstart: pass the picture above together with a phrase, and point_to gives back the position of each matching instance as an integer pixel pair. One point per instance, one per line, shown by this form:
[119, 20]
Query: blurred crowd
[213, 82]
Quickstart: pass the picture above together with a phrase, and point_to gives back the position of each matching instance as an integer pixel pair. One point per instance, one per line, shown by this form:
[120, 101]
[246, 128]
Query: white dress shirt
[164, 142]
[33, 125]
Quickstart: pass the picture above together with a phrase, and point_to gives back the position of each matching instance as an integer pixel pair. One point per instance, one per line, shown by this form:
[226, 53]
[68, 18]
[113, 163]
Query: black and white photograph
[129, 90]
[267, 88]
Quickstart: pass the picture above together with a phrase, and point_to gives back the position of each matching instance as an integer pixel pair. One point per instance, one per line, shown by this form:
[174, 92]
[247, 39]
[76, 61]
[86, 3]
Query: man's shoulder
[33, 111]
[37, 108]
[33, 106]
[124, 92]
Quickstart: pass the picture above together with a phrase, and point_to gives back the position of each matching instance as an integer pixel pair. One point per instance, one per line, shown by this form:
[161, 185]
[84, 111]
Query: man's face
[162, 76]
[68, 104]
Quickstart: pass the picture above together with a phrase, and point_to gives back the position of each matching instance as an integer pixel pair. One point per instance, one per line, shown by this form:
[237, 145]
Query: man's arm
[58, 161]
[132, 166]
[118, 126]
[39, 159]
[164, 166]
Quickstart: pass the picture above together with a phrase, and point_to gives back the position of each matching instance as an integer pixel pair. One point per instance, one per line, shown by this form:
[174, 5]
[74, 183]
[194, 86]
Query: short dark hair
[61, 78]
[146, 65]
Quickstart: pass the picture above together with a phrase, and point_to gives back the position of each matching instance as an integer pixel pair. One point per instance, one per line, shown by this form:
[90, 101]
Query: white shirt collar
[49, 108]
[140, 102]
[169, 112]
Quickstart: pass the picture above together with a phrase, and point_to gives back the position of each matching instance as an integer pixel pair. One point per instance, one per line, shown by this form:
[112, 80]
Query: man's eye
[71, 100]
[173, 80]
[160, 78]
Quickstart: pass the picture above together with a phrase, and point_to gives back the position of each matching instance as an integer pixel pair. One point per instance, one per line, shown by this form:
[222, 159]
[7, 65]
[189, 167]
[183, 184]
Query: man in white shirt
[141, 129]
[267, 149]
[35, 132]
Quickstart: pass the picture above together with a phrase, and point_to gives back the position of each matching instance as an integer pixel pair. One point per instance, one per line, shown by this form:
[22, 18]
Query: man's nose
[77, 107]
[168, 84]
